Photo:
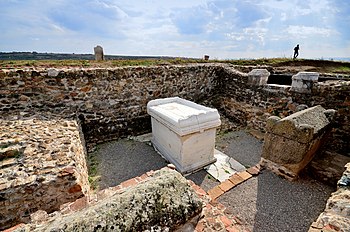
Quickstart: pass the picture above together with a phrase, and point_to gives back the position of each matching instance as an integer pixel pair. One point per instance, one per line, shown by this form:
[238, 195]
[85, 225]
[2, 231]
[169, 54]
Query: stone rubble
[42, 166]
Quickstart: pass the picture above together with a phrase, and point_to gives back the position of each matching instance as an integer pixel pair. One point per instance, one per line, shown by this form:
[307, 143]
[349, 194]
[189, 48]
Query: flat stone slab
[224, 167]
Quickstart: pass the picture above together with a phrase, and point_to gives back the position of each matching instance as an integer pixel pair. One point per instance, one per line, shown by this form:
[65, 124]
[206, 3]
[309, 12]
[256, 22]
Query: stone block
[98, 53]
[163, 202]
[258, 77]
[304, 81]
[290, 143]
[184, 132]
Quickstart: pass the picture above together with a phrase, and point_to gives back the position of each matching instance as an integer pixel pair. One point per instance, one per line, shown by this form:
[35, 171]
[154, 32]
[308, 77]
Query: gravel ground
[264, 203]
[124, 159]
[268, 203]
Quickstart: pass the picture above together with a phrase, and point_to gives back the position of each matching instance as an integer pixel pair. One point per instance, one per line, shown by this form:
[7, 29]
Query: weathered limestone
[161, 203]
[42, 166]
[184, 132]
[303, 82]
[99, 53]
[290, 143]
[258, 77]
[336, 216]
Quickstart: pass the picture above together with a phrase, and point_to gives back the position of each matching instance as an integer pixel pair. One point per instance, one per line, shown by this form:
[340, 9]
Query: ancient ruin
[184, 132]
[98, 50]
[49, 117]
[291, 143]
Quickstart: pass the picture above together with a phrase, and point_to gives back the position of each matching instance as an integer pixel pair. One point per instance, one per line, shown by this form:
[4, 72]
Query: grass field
[325, 66]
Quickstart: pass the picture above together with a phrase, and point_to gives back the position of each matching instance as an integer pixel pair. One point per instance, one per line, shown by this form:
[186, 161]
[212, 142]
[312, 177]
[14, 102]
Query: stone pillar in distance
[99, 53]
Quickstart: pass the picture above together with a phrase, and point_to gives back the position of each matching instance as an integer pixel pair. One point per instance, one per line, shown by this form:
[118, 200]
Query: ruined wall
[251, 105]
[42, 166]
[110, 102]
[336, 214]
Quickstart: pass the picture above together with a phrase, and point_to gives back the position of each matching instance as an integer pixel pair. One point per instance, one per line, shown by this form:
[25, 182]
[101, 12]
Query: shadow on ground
[124, 159]
[263, 203]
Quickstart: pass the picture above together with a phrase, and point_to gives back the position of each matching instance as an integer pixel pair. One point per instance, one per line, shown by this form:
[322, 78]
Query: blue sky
[223, 29]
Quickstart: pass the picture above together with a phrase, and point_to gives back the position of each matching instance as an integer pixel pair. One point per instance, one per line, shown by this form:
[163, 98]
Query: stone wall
[336, 216]
[112, 102]
[42, 150]
[109, 102]
[42, 166]
[250, 105]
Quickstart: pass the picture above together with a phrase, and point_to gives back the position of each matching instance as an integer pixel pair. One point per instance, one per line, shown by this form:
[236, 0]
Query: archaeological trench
[51, 118]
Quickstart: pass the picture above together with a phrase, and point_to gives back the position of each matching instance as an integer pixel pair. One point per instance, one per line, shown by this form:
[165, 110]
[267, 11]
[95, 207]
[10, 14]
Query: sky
[222, 29]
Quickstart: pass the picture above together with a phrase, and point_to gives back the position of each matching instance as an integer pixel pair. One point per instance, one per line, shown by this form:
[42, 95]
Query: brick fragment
[199, 190]
[236, 179]
[79, 204]
[227, 222]
[232, 229]
[18, 226]
[215, 192]
[226, 185]
[253, 171]
[200, 226]
[75, 188]
[129, 183]
[245, 175]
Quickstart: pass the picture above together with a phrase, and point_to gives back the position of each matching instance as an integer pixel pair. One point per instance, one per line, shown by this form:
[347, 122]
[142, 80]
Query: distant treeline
[66, 56]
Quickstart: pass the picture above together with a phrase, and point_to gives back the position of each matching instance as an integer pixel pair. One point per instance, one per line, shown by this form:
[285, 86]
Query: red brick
[199, 190]
[221, 207]
[116, 188]
[200, 226]
[150, 173]
[14, 227]
[236, 179]
[245, 175]
[210, 220]
[232, 229]
[215, 192]
[129, 183]
[143, 177]
[226, 185]
[253, 171]
[227, 222]
[74, 189]
[79, 204]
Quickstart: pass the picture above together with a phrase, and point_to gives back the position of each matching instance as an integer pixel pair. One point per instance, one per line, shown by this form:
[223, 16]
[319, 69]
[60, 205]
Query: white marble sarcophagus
[184, 132]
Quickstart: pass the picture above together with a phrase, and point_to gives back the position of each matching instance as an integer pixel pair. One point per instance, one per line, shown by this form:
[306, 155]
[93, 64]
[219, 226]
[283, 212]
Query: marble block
[184, 132]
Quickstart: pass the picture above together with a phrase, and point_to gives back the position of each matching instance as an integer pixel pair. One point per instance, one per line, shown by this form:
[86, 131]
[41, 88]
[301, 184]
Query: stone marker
[304, 81]
[99, 53]
[258, 77]
[290, 143]
[206, 57]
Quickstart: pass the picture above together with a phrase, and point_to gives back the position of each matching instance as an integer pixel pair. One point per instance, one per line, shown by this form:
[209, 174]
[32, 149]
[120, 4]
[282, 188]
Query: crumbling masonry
[45, 111]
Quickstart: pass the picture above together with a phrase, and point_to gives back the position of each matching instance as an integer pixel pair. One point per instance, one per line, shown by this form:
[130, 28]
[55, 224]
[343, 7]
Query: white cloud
[306, 31]
[220, 28]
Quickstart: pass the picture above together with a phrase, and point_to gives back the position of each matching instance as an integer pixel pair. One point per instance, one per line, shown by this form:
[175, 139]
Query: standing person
[296, 51]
